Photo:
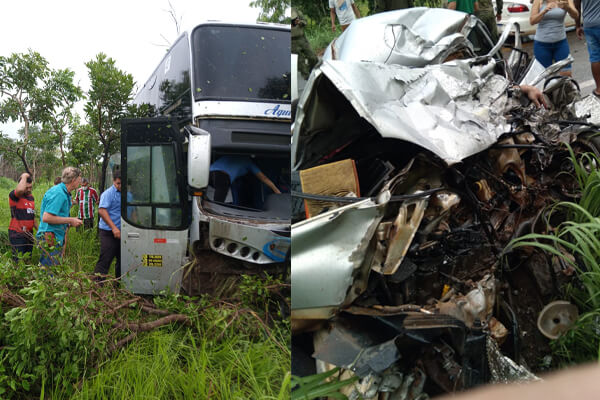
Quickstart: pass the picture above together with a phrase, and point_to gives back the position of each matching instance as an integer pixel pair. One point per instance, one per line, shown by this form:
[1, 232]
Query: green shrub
[61, 338]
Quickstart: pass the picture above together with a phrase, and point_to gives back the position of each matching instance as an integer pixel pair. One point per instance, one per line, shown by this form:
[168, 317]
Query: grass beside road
[576, 242]
[180, 364]
[57, 343]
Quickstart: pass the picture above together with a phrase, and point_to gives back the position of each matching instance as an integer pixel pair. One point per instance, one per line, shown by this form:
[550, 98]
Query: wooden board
[334, 179]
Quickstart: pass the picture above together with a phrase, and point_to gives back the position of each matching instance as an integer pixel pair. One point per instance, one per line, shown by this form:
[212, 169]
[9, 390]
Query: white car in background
[519, 11]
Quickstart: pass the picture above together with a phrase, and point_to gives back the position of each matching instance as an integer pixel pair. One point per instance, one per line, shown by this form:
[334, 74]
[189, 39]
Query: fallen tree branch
[12, 299]
[156, 311]
[124, 304]
[122, 342]
[147, 326]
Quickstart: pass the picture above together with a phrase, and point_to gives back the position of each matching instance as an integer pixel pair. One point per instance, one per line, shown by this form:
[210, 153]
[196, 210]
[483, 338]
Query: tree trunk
[62, 151]
[106, 148]
[25, 142]
[23, 160]
[104, 167]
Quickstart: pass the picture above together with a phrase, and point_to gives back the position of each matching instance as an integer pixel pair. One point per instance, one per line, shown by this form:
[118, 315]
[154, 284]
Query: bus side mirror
[198, 157]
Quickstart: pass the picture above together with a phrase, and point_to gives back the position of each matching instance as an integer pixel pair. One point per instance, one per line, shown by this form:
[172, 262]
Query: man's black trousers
[109, 249]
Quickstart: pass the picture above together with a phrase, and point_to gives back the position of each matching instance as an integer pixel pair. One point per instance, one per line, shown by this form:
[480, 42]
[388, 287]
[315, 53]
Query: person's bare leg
[566, 73]
[596, 75]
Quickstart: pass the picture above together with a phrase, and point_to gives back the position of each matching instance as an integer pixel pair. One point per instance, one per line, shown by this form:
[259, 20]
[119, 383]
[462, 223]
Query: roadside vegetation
[576, 242]
[63, 336]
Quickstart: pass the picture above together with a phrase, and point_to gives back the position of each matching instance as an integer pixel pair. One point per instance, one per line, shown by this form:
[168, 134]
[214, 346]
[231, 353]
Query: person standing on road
[346, 12]
[55, 219]
[22, 216]
[109, 211]
[488, 17]
[550, 42]
[589, 11]
[468, 6]
[86, 198]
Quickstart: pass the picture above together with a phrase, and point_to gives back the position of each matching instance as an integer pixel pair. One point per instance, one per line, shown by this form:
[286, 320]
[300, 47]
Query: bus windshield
[241, 63]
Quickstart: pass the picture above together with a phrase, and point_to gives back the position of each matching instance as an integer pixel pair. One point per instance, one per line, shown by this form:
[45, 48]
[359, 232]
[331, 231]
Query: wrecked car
[417, 159]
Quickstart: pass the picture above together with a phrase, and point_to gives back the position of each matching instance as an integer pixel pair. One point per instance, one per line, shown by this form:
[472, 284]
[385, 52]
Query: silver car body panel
[537, 74]
[453, 110]
[413, 37]
[588, 107]
[328, 252]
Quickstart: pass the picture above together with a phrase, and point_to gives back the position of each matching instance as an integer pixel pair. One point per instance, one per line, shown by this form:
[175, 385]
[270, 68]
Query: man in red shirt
[86, 198]
[22, 216]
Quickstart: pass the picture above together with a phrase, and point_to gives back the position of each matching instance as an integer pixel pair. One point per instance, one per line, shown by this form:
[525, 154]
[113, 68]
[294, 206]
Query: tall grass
[576, 241]
[222, 355]
[183, 365]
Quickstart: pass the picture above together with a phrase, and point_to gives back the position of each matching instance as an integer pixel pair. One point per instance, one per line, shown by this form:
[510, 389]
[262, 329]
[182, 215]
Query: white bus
[221, 90]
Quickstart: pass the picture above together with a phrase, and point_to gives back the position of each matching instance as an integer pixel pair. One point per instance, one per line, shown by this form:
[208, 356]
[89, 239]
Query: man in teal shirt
[54, 217]
[468, 6]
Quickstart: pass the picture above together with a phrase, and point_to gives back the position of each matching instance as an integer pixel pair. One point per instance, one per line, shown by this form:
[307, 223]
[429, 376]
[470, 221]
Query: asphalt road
[581, 66]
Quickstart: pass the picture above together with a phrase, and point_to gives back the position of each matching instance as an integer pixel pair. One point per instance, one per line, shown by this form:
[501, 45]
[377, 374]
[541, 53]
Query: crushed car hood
[412, 37]
[453, 110]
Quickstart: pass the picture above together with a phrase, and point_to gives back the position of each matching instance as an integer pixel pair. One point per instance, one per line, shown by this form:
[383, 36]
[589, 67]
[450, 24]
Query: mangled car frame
[417, 158]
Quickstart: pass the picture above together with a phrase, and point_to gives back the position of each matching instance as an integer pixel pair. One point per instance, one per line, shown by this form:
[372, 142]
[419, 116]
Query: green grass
[82, 246]
[183, 365]
[320, 35]
[576, 241]
[226, 352]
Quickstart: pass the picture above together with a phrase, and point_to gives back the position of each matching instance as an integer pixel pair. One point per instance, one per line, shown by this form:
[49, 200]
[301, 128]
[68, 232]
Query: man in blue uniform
[109, 211]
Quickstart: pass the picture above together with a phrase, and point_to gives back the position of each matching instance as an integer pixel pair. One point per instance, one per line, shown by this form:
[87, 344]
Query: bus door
[155, 206]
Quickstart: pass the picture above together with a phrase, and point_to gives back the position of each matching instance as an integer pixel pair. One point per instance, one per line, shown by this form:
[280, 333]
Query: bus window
[152, 186]
[241, 63]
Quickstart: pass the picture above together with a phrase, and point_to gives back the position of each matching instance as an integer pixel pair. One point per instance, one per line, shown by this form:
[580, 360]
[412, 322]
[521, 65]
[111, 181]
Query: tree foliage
[111, 90]
[313, 10]
[272, 10]
[23, 94]
[63, 96]
[44, 155]
[9, 160]
[33, 93]
[85, 150]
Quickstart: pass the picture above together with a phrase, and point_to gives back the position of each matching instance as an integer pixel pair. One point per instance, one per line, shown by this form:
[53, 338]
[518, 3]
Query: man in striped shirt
[22, 213]
[86, 198]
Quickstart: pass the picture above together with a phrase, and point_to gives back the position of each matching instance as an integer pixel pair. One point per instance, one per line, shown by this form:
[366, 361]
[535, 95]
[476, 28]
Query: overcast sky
[68, 33]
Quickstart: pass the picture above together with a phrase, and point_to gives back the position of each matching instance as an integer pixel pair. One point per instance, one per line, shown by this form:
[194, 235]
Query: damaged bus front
[222, 91]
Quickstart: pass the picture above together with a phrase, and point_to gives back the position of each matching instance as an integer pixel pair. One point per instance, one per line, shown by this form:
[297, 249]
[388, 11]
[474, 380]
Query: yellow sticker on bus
[152, 260]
